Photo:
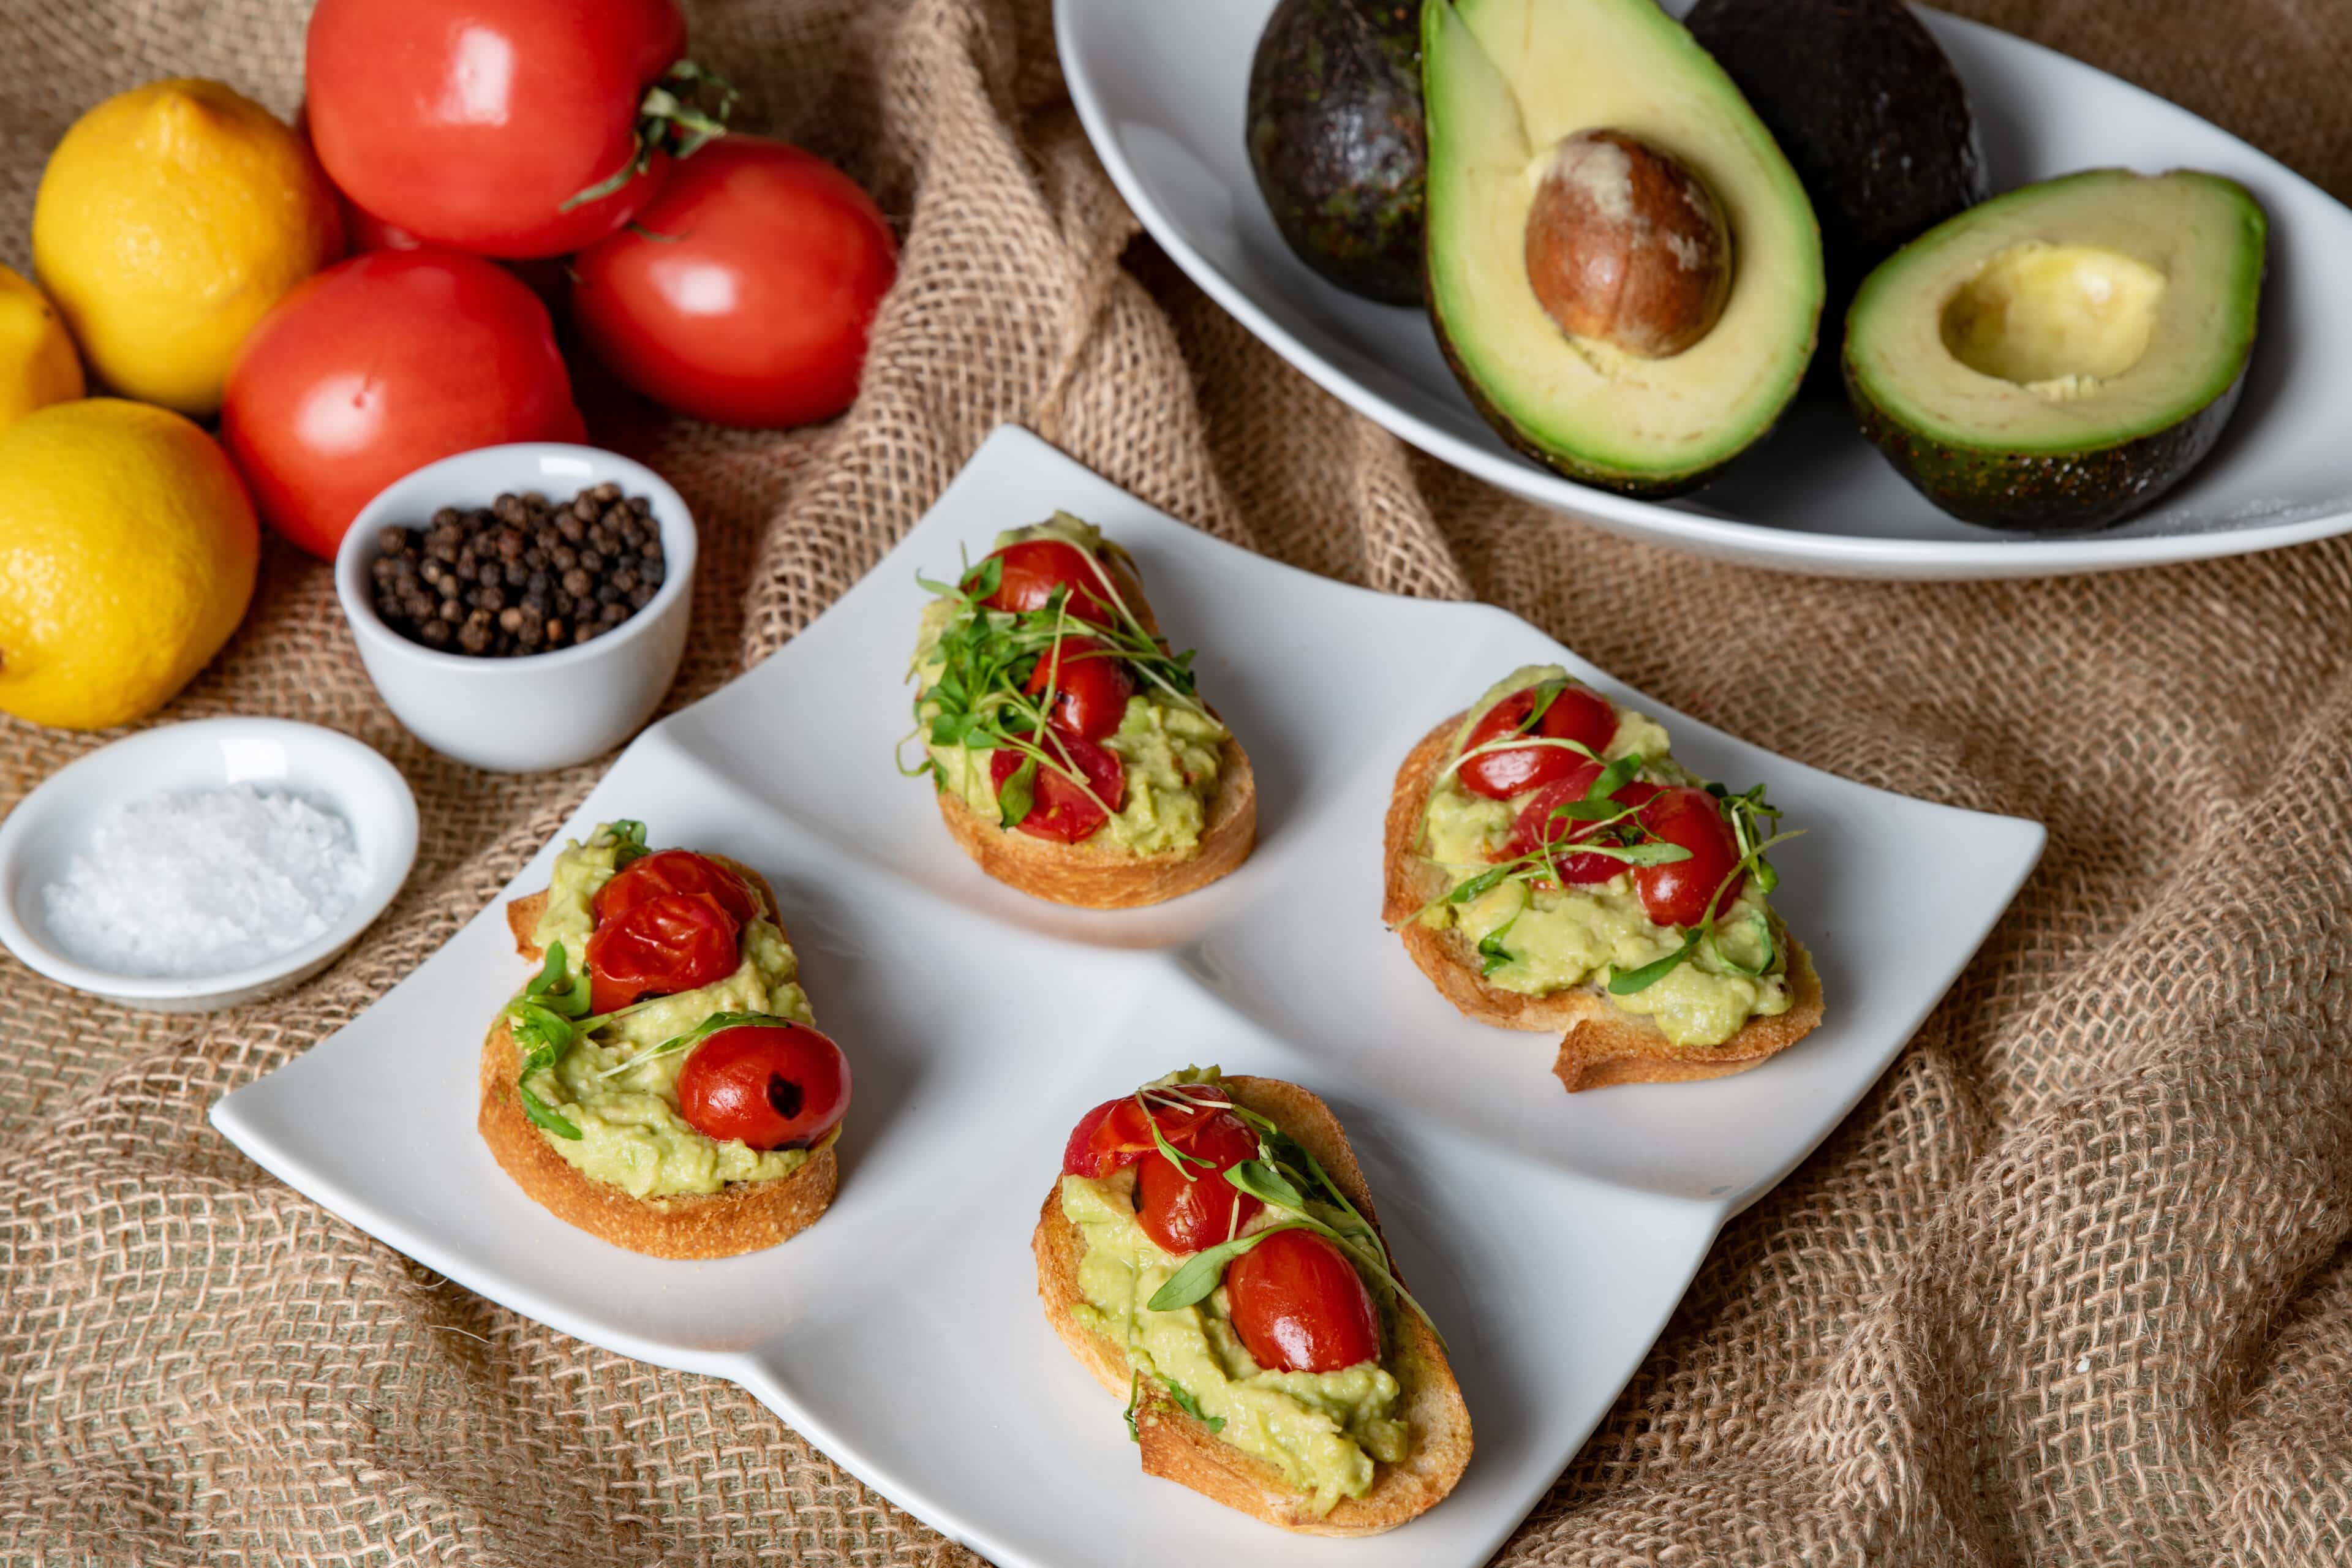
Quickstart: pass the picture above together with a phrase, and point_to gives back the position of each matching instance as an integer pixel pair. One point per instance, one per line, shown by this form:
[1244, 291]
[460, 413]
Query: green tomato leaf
[1018, 793]
[695, 1036]
[542, 1115]
[1492, 953]
[982, 581]
[1263, 1183]
[1191, 1406]
[632, 836]
[1203, 1269]
[1625, 982]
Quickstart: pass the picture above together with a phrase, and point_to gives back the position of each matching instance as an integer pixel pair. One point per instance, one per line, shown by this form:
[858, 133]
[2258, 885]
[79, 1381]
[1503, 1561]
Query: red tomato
[1113, 1135]
[770, 1086]
[1186, 1216]
[746, 298]
[368, 232]
[1061, 810]
[1033, 568]
[1300, 1306]
[1677, 894]
[377, 366]
[1575, 713]
[680, 942]
[1091, 687]
[668, 871]
[472, 123]
[1537, 825]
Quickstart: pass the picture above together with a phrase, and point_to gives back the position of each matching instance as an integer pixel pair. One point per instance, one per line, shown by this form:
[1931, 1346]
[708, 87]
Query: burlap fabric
[2071, 1286]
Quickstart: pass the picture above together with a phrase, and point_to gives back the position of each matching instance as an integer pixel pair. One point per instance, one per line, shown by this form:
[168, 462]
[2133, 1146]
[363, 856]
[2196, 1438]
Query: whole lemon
[128, 548]
[168, 220]
[37, 362]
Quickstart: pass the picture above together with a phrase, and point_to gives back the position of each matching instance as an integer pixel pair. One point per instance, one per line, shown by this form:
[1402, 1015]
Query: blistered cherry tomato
[1059, 809]
[1184, 1216]
[1537, 825]
[1576, 712]
[678, 941]
[1114, 1134]
[1091, 687]
[770, 1086]
[1676, 894]
[669, 871]
[1033, 568]
[1300, 1306]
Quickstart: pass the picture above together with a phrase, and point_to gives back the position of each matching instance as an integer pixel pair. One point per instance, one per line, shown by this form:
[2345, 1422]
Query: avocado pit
[1626, 245]
[2056, 320]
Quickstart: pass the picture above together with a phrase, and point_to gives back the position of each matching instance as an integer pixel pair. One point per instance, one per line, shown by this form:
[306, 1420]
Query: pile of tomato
[1296, 1303]
[673, 922]
[1087, 681]
[727, 276]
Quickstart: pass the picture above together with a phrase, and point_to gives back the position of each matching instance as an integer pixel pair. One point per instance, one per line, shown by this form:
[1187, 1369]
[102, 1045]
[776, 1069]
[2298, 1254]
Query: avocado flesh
[1335, 140]
[1503, 80]
[2058, 358]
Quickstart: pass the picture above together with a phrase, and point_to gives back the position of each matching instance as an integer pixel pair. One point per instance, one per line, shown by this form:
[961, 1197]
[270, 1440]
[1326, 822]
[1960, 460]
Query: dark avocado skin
[1336, 139]
[1868, 110]
[2059, 492]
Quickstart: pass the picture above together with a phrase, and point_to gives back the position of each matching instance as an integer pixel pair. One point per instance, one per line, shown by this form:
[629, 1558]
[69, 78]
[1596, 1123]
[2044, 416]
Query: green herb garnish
[1191, 1406]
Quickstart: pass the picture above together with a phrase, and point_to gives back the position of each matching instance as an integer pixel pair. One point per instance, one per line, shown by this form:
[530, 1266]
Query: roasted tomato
[1575, 713]
[1300, 1306]
[1676, 894]
[1187, 1208]
[768, 1086]
[482, 124]
[677, 941]
[669, 871]
[1060, 810]
[1114, 1134]
[1032, 568]
[1536, 826]
[1090, 686]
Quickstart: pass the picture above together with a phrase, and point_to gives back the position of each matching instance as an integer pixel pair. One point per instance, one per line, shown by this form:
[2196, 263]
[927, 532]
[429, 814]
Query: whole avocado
[1335, 140]
[1868, 110]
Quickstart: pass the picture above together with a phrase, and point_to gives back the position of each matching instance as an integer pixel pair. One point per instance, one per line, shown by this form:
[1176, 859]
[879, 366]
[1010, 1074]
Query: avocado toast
[1290, 1446]
[1069, 751]
[699, 1122]
[1550, 867]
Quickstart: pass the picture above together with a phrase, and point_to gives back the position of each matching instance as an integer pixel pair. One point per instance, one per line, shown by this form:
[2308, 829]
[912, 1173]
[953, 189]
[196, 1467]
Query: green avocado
[1869, 111]
[1335, 139]
[1505, 81]
[2061, 356]
[623, 1101]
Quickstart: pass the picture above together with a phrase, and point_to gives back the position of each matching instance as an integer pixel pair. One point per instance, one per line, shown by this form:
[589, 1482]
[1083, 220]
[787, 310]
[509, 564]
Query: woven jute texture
[2071, 1286]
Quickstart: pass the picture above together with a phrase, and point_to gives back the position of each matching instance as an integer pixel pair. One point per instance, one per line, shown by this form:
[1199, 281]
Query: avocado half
[1335, 140]
[1503, 82]
[2061, 356]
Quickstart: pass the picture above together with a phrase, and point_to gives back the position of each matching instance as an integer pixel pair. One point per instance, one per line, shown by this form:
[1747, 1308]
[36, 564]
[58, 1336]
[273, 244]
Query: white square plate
[1162, 90]
[1551, 1236]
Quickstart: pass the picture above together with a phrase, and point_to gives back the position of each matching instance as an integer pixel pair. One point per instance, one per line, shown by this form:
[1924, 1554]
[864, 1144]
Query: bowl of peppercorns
[521, 607]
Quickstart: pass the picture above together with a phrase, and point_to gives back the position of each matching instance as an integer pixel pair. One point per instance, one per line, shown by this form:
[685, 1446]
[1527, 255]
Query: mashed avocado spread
[1167, 747]
[1539, 942]
[631, 1133]
[1321, 1430]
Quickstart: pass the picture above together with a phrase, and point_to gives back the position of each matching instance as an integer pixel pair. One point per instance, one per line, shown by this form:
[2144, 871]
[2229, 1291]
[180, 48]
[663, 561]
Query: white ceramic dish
[1551, 1236]
[1162, 89]
[545, 710]
[332, 771]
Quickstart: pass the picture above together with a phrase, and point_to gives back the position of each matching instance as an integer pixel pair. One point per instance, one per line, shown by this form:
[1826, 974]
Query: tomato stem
[670, 118]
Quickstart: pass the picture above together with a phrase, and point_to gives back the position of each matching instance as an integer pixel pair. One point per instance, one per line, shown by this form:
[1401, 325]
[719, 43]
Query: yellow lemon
[128, 548]
[37, 362]
[169, 219]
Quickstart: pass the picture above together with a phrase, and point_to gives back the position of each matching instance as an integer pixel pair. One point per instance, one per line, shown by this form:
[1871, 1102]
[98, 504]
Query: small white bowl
[539, 710]
[332, 771]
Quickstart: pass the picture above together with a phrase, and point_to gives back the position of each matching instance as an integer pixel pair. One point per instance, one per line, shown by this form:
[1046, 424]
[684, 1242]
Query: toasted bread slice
[1180, 1448]
[1105, 877]
[1600, 1044]
[743, 1217]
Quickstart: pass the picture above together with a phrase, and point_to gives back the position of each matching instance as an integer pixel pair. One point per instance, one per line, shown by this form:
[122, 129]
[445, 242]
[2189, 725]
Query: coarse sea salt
[202, 883]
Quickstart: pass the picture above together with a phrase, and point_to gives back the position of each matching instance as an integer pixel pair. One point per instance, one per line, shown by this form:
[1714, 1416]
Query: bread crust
[1599, 1045]
[1179, 1448]
[742, 1217]
[1098, 877]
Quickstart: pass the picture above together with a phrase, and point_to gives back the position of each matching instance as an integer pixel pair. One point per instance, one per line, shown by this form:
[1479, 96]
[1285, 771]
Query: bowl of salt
[199, 865]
